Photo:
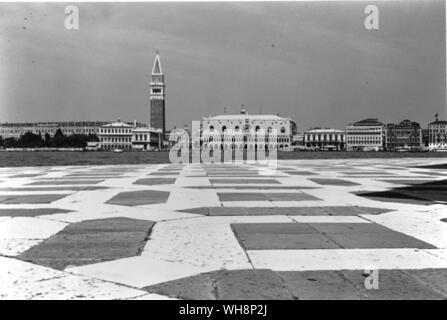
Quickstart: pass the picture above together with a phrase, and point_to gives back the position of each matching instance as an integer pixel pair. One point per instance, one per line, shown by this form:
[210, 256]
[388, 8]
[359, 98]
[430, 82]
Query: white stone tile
[344, 259]
[424, 226]
[14, 247]
[329, 219]
[23, 280]
[15, 272]
[205, 242]
[189, 182]
[152, 296]
[29, 228]
[184, 199]
[139, 271]
[439, 253]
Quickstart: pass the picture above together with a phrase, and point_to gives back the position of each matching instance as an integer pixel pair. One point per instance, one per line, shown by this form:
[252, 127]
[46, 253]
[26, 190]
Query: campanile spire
[157, 96]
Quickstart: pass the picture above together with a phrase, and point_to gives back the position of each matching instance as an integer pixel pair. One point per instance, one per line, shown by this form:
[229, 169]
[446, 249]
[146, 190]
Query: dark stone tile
[136, 198]
[301, 173]
[155, 181]
[347, 228]
[367, 235]
[241, 196]
[30, 198]
[435, 279]
[108, 226]
[96, 175]
[199, 287]
[262, 236]
[93, 177]
[354, 211]
[273, 228]
[250, 285]
[334, 182]
[320, 285]
[367, 173]
[251, 196]
[278, 241]
[163, 174]
[376, 240]
[291, 211]
[393, 285]
[258, 187]
[291, 197]
[31, 212]
[91, 242]
[306, 285]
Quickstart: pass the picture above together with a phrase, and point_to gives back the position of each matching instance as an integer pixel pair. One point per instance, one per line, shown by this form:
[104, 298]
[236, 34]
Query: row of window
[364, 142]
[115, 139]
[141, 137]
[437, 131]
[237, 128]
[116, 146]
[245, 146]
[114, 130]
[325, 137]
[43, 131]
[245, 139]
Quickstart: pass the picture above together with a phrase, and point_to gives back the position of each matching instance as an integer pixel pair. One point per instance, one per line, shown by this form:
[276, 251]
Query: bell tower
[157, 96]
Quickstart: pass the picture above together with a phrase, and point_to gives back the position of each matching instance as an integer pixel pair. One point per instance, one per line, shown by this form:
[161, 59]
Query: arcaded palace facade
[244, 131]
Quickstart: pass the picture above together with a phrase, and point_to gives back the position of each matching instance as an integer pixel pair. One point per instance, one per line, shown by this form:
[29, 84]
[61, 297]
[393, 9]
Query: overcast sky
[314, 62]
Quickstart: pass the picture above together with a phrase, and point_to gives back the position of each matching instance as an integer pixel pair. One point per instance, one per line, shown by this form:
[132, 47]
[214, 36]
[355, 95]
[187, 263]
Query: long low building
[17, 129]
[325, 139]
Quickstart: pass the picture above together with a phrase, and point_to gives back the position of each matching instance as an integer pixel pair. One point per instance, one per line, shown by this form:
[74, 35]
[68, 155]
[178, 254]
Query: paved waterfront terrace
[307, 230]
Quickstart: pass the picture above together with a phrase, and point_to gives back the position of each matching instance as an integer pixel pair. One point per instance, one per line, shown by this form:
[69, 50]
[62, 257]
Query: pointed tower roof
[156, 70]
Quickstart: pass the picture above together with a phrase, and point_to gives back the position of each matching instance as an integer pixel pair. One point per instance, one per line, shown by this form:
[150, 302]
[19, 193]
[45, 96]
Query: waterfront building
[298, 139]
[17, 129]
[116, 135]
[437, 132]
[129, 136]
[145, 138]
[406, 134]
[243, 128]
[325, 139]
[366, 135]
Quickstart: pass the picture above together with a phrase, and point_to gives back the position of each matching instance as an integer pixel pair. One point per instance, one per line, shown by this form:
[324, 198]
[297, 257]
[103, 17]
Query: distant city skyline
[313, 62]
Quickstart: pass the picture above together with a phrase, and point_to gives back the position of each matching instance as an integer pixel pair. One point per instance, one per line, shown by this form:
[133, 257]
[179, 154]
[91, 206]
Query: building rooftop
[323, 130]
[117, 124]
[404, 124]
[368, 122]
[245, 116]
[54, 123]
[442, 122]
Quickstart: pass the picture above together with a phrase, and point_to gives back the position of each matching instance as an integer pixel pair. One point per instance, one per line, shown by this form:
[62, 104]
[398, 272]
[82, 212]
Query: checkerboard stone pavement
[308, 230]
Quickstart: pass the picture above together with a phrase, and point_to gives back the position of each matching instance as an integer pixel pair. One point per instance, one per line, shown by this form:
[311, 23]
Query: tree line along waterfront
[58, 140]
